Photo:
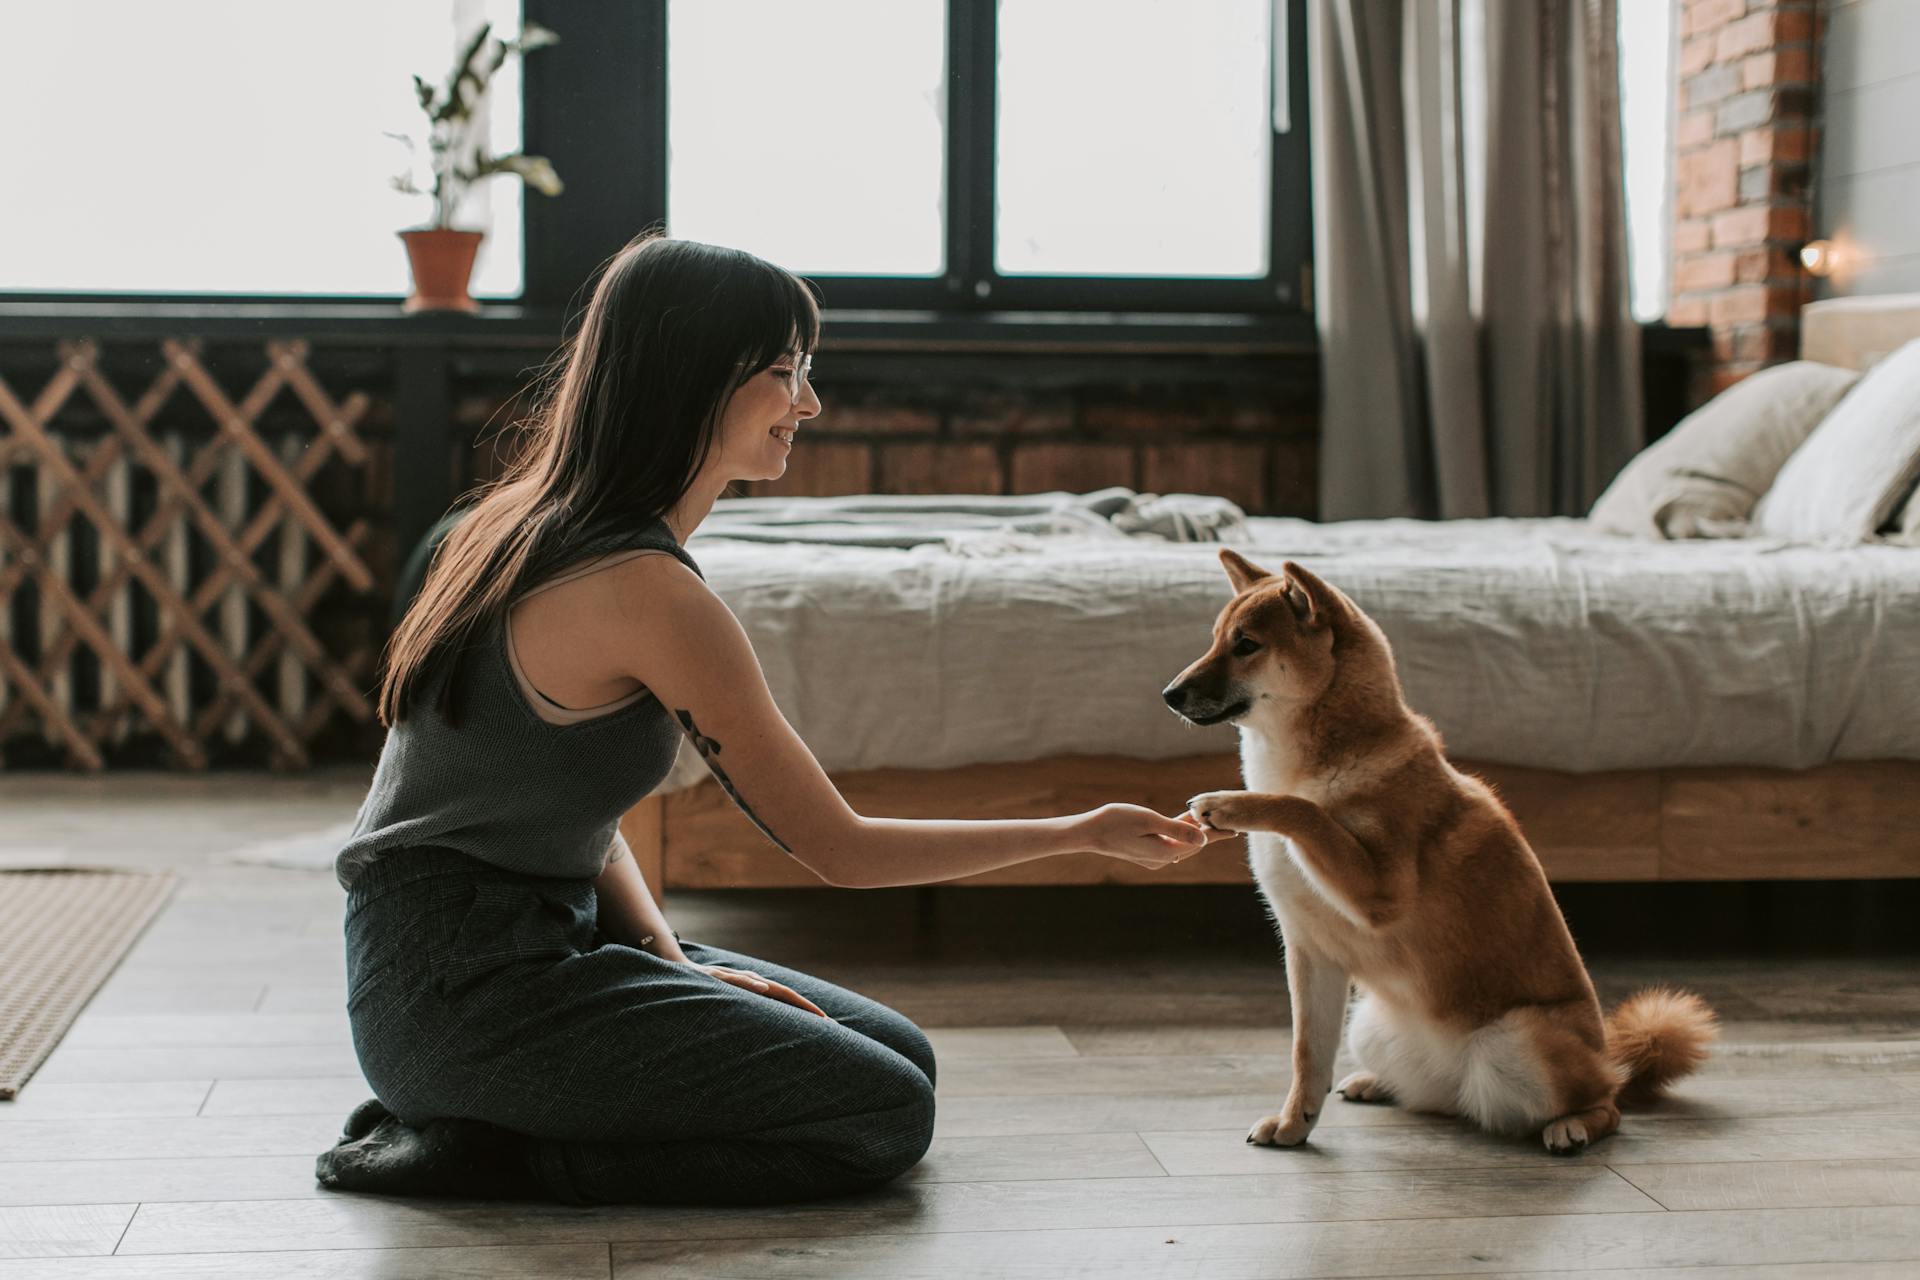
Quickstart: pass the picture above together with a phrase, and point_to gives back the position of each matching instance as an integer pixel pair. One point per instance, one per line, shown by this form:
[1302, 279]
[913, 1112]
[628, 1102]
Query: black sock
[449, 1157]
[364, 1118]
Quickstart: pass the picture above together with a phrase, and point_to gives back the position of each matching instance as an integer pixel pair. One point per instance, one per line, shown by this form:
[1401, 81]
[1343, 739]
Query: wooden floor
[1102, 1053]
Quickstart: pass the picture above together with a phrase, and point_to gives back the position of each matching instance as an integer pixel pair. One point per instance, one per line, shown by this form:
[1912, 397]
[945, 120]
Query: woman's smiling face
[757, 427]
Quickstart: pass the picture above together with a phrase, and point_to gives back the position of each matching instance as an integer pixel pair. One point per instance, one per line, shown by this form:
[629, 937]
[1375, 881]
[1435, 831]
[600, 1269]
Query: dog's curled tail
[1657, 1036]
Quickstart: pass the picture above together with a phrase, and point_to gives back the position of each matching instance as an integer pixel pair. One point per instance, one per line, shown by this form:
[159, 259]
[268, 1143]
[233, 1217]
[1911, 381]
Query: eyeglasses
[795, 376]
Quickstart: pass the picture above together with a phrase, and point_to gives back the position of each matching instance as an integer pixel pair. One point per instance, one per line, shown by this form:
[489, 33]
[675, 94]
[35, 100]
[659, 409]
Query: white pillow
[1701, 479]
[1846, 480]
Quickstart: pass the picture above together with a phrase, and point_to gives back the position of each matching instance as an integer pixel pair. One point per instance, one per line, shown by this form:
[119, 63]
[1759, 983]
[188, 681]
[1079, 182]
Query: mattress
[1534, 642]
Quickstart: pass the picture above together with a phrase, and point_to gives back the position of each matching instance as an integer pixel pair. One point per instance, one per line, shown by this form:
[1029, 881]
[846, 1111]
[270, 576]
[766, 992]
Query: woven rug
[61, 933]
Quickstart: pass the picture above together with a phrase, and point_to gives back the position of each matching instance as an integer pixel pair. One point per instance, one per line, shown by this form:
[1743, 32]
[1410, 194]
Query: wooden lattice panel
[225, 556]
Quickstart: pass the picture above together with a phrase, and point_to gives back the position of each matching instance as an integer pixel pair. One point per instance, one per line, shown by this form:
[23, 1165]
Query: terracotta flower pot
[442, 262]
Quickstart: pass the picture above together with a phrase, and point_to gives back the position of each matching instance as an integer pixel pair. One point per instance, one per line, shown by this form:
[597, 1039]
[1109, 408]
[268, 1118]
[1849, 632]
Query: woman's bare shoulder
[654, 592]
[653, 571]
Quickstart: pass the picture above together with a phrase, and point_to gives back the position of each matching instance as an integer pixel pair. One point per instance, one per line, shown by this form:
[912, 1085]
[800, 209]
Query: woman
[531, 1024]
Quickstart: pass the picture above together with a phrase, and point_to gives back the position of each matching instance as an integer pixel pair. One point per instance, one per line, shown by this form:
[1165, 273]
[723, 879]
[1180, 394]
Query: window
[1026, 154]
[841, 177]
[1646, 110]
[1151, 156]
[230, 146]
[927, 155]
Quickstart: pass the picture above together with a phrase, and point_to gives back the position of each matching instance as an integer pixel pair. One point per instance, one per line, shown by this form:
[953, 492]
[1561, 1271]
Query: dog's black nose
[1176, 695]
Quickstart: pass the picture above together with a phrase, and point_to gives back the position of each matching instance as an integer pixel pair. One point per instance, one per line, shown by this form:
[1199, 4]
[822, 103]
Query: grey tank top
[506, 786]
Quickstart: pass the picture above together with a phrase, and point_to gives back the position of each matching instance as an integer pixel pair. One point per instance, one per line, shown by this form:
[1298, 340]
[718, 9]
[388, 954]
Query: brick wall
[1255, 444]
[1743, 142]
[1243, 426]
[1013, 424]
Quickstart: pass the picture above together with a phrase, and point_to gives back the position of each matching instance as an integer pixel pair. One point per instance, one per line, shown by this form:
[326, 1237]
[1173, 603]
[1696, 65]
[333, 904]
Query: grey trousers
[482, 993]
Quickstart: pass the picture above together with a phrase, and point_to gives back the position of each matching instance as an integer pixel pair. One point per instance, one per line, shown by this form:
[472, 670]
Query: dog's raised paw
[1565, 1136]
[1217, 809]
[1362, 1086]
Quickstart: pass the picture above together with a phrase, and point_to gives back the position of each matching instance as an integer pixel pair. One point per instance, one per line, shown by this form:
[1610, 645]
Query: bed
[1692, 710]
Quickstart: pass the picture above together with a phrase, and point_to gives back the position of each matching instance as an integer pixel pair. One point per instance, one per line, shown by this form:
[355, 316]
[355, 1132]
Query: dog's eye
[1245, 647]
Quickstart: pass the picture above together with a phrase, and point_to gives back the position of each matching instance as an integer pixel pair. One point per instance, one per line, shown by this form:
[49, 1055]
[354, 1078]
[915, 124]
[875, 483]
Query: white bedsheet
[1542, 643]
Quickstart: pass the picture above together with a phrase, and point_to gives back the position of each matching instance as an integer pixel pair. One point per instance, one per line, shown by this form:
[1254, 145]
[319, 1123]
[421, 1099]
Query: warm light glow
[1817, 257]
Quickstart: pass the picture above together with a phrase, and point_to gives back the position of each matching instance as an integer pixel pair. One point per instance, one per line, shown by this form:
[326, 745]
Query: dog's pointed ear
[1309, 596]
[1242, 572]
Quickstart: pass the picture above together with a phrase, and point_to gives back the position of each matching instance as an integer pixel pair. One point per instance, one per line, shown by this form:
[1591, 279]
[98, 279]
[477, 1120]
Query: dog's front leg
[1339, 866]
[1319, 989]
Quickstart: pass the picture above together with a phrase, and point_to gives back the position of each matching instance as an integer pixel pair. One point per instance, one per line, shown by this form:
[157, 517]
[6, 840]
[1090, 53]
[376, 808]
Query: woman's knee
[895, 1031]
[911, 1043]
[885, 1143]
[857, 1012]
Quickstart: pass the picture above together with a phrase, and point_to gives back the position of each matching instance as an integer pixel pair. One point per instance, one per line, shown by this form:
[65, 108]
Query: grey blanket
[973, 524]
[1537, 642]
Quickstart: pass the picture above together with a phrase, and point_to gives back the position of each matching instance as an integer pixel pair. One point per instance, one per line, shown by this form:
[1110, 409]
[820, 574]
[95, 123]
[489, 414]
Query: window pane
[1135, 137]
[1646, 109]
[231, 146]
[810, 134]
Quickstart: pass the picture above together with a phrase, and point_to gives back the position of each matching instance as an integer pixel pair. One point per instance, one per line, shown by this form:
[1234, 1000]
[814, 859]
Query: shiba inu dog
[1389, 870]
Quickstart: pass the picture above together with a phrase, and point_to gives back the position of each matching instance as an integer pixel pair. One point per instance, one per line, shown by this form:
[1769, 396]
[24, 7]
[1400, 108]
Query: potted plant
[441, 255]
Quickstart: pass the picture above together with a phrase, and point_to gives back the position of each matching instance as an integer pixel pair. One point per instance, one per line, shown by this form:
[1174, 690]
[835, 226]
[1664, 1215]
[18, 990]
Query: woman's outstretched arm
[682, 642]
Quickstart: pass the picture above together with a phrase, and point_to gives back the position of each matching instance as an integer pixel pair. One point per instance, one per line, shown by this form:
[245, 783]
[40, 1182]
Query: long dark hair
[629, 417]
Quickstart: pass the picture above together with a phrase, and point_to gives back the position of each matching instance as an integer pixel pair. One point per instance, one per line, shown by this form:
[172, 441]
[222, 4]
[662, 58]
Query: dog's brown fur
[1388, 868]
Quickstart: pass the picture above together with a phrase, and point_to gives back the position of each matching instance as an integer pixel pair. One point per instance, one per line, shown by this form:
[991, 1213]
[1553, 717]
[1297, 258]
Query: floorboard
[1102, 1053]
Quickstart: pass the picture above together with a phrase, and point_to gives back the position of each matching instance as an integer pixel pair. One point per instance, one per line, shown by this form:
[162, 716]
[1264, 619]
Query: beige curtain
[1479, 354]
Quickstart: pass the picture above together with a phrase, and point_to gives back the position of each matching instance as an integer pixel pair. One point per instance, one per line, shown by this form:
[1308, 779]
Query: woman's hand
[1140, 836]
[762, 986]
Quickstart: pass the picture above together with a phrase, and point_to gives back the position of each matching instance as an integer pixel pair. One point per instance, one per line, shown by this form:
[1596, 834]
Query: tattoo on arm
[710, 752]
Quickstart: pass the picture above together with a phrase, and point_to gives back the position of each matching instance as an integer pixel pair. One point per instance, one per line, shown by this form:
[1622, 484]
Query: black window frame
[595, 103]
[602, 91]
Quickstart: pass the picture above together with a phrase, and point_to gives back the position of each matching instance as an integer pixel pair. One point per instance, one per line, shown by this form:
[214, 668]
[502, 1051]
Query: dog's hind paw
[1363, 1087]
[1565, 1136]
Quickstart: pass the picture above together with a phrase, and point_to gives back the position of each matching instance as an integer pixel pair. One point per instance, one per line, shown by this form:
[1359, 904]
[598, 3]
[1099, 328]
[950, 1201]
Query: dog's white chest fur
[1285, 880]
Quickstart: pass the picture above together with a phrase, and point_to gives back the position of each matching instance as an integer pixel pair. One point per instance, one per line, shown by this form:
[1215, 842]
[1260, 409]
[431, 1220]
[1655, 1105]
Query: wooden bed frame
[1850, 821]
